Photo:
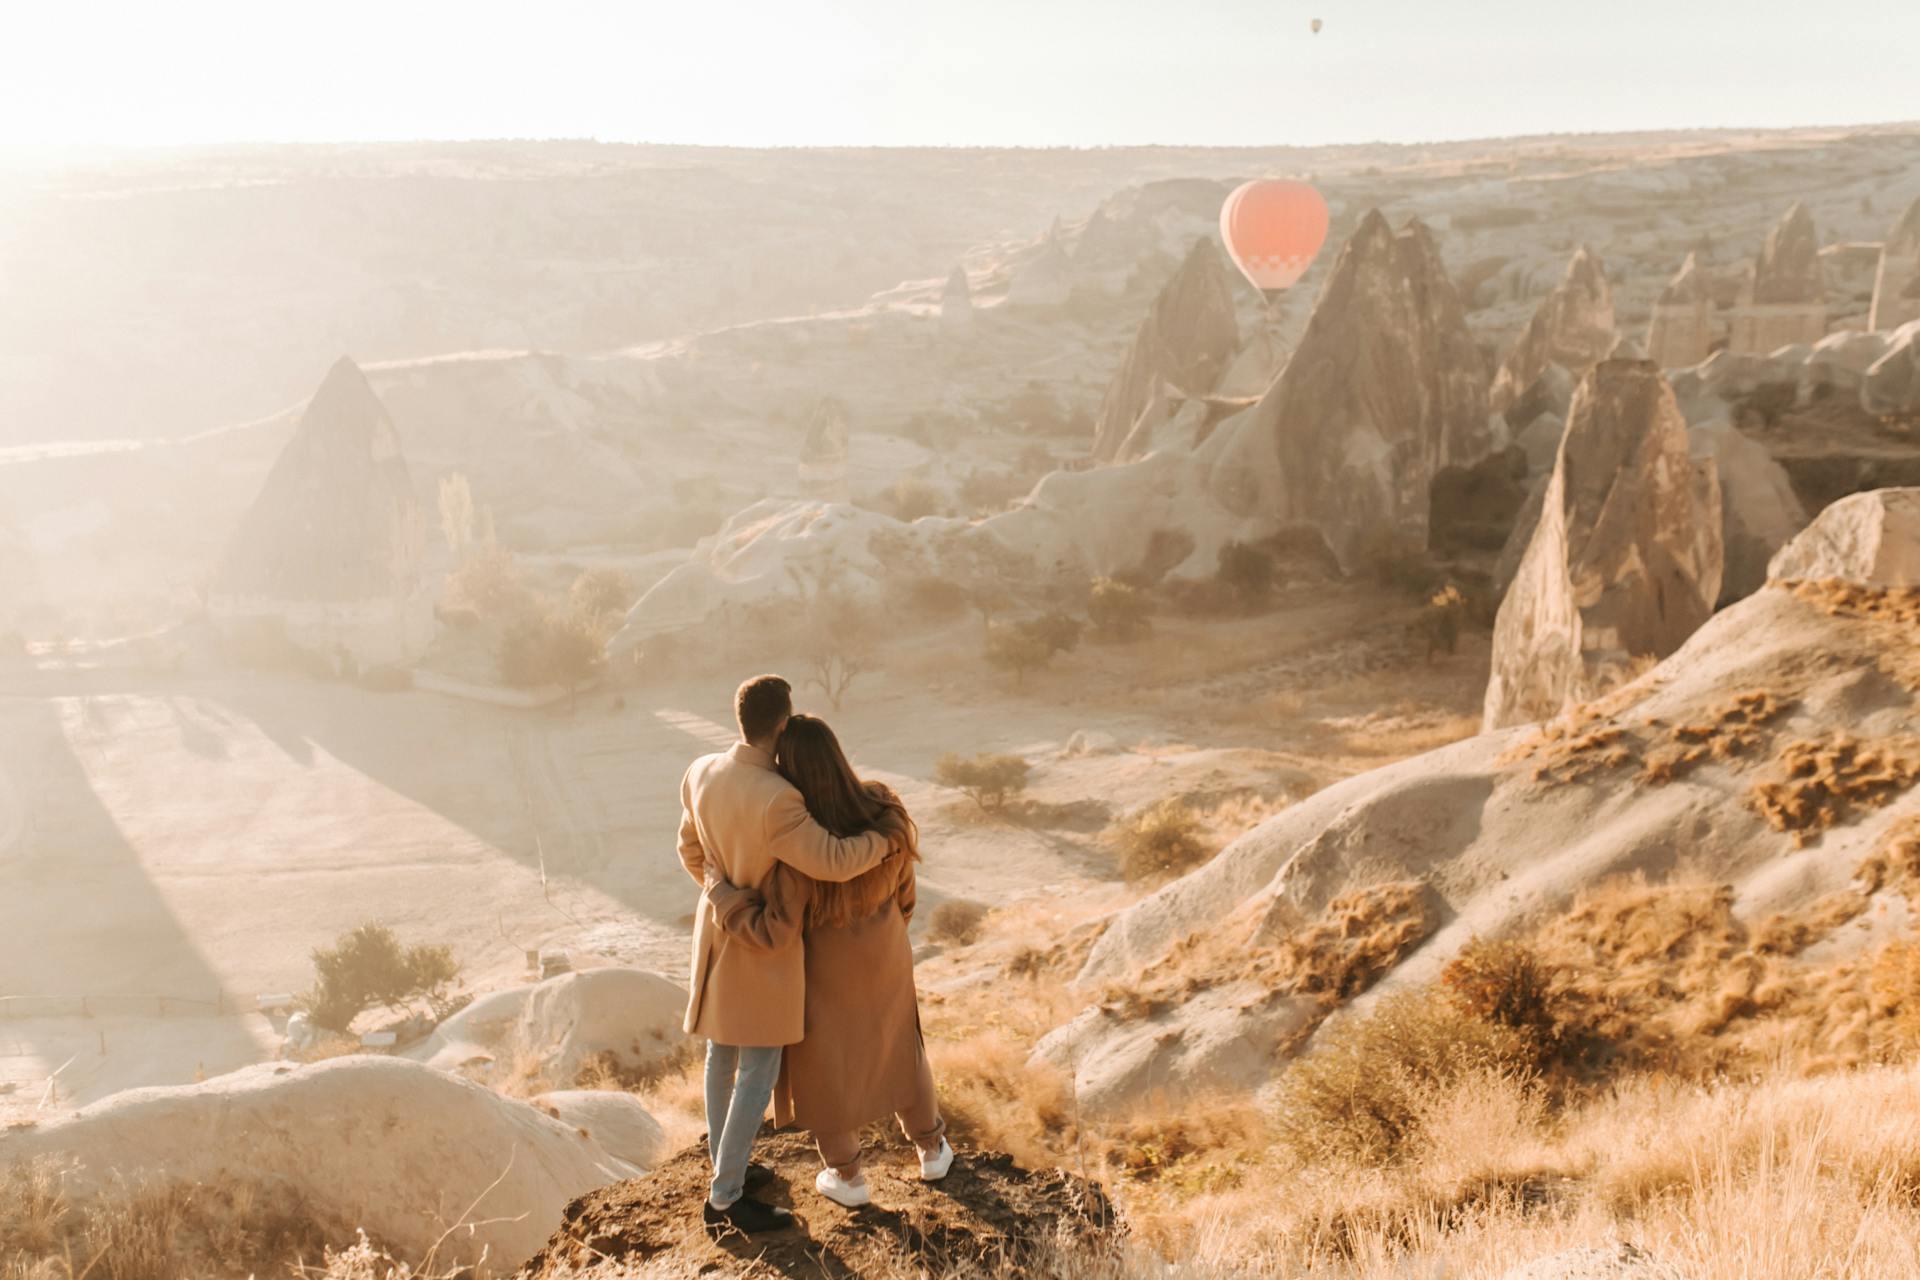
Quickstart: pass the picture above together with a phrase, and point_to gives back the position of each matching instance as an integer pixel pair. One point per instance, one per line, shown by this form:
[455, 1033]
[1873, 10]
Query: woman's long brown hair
[810, 757]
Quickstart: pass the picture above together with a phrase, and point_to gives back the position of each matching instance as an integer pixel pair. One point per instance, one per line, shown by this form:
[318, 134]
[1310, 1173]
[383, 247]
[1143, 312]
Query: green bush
[1356, 1097]
[990, 780]
[369, 967]
[1163, 839]
[1119, 612]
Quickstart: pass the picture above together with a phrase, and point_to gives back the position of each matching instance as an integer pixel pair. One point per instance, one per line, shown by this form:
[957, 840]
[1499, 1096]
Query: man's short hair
[760, 704]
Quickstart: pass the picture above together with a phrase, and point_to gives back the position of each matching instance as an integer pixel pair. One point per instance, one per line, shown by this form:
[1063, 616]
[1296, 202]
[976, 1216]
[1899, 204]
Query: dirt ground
[987, 1209]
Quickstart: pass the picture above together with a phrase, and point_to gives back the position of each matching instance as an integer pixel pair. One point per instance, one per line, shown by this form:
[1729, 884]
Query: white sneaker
[849, 1195]
[934, 1167]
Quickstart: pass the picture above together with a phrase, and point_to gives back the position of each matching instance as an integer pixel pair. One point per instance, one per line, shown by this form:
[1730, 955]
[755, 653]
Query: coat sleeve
[692, 856]
[768, 920]
[908, 895]
[793, 837]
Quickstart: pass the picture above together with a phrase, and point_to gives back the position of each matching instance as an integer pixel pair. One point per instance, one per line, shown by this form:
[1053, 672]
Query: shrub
[369, 967]
[956, 921]
[1058, 631]
[1506, 983]
[488, 582]
[1247, 572]
[1163, 839]
[989, 779]
[1018, 649]
[1358, 1095]
[603, 594]
[1440, 620]
[556, 647]
[1400, 563]
[910, 498]
[1119, 612]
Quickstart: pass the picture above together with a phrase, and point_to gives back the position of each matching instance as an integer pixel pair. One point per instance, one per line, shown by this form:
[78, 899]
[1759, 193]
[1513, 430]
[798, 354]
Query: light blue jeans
[739, 1087]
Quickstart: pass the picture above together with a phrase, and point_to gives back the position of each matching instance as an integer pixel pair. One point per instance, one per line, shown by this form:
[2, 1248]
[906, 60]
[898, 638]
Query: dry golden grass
[1596, 738]
[1895, 611]
[1817, 783]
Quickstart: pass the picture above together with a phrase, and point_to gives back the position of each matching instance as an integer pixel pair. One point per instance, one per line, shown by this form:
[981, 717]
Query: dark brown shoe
[749, 1217]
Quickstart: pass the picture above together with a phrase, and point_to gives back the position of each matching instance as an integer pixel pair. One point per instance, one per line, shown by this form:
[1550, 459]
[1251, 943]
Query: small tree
[1017, 649]
[602, 594]
[990, 601]
[562, 647]
[456, 513]
[1440, 620]
[989, 780]
[1246, 572]
[1119, 612]
[1162, 839]
[489, 583]
[369, 967]
[839, 643]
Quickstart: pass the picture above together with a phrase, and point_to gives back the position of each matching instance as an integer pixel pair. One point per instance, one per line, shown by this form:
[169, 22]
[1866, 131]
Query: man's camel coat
[739, 814]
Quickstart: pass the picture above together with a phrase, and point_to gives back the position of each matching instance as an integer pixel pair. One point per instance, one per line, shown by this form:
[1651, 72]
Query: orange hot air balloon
[1273, 228]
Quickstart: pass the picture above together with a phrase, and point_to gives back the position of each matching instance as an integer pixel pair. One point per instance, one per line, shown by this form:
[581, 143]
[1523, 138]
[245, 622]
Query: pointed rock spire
[1896, 283]
[1573, 328]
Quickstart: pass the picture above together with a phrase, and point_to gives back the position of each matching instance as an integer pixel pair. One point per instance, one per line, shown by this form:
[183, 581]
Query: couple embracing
[802, 972]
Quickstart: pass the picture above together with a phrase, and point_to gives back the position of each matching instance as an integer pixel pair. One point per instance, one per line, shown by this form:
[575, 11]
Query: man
[739, 817]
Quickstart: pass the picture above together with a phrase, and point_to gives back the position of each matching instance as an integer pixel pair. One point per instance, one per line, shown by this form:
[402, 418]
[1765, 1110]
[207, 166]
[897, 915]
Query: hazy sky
[1002, 72]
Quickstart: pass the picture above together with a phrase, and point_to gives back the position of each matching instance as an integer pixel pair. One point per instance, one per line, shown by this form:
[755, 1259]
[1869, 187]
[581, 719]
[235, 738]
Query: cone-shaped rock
[1188, 338]
[1784, 299]
[1680, 333]
[1384, 389]
[1573, 328]
[823, 451]
[1626, 558]
[1896, 284]
[956, 302]
[332, 547]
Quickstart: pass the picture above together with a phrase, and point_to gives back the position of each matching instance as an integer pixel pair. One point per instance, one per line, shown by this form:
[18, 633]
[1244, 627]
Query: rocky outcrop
[1784, 299]
[956, 303]
[1760, 512]
[1626, 559]
[1572, 328]
[1892, 383]
[623, 1021]
[1186, 342]
[1869, 539]
[1385, 388]
[397, 1148]
[1680, 332]
[1896, 284]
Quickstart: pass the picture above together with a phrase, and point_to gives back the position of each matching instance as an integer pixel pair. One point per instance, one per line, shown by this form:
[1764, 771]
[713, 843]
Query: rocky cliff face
[1626, 559]
[1870, 539]
[1572, 328]
[1384, 389]
[1186, 342]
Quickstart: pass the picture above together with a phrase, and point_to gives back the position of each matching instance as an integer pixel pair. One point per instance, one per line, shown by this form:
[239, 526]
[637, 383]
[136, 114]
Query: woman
[863, 1057]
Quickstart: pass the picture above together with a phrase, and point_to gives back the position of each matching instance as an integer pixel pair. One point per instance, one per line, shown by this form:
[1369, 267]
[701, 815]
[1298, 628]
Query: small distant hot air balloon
[1273, 228]
[1316, 26]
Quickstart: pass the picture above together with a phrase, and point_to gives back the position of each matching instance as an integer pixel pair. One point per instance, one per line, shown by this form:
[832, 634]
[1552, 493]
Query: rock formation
[956, 303]
[622, 1019]
[1572, 328]
[1626, 559]
[1385, 388]
[1896, 284]
[392, 1146]
[1186, 341]
[823, 451]
[1892, 383]
[1870, 539]
[1784, 299]
[1044, 278]
[1680, 333]
[329, 556]
[1760, 513]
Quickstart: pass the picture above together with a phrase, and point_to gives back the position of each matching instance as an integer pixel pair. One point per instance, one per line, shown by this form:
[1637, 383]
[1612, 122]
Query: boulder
[397, 1148]
[1760, 512]
[1892, 383]
[1896, 281]
[1626, 559]
[624, 1019]
[1572, 328]
[1870, 539]
[1188, 338]
[618, 1123]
